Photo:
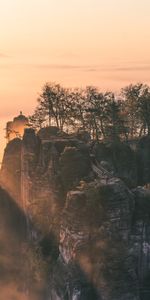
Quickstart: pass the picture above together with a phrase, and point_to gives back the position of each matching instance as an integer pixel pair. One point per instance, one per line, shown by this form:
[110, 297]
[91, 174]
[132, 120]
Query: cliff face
[14, 253]
[143, 150]
[12, 236]
[85, 204]
[49, 166]
[104, 241]
[10, 175]
[120, 159]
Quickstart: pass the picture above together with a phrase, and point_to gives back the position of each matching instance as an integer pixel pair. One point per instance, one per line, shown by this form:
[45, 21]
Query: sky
[105, 43]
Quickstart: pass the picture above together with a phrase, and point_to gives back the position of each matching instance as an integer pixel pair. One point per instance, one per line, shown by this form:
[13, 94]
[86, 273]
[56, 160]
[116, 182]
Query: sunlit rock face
[38, 170]
[12, 239]
[21, 270]
[46, 167]
[104, 250]
[10, 175]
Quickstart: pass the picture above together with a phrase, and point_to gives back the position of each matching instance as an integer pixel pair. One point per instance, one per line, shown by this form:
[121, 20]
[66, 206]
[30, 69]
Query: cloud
[126, 67]
[60, 66]
[3, 55]
[122, 68]
[133, 68]
[83, 68]
[91, 69]
[95, 68]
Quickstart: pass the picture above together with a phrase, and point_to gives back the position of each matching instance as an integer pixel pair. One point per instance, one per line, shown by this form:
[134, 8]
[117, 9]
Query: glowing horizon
[75, 43]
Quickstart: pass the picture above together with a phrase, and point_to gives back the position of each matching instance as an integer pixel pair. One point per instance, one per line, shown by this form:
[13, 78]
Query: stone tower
[16, 127]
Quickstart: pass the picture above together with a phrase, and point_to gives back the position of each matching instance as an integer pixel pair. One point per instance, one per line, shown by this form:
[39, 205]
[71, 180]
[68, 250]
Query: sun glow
[76, 43]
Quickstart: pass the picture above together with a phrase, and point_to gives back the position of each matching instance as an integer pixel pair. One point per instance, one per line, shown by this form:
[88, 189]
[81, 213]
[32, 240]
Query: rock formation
[89, 217]
[18, 267]
[16, 127]
[104, 241]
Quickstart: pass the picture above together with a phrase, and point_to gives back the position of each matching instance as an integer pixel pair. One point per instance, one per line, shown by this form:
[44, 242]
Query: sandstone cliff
[89, 218]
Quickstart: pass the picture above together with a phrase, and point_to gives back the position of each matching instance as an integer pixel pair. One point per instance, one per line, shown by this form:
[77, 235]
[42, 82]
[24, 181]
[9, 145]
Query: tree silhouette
[101, 114]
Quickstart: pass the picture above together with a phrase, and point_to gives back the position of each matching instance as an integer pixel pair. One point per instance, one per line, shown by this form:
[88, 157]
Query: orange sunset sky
[105, 43]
